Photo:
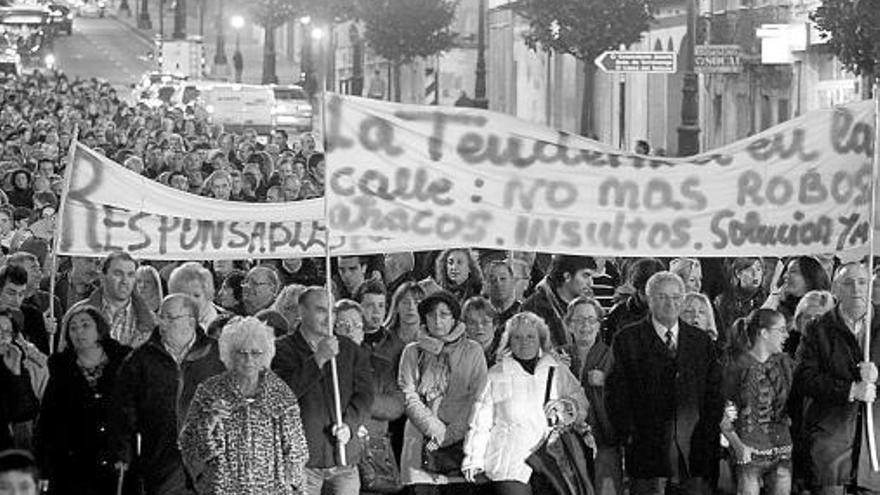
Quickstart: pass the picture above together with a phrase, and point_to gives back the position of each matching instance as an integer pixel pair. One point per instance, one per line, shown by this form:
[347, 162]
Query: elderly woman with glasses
[510, 418]
[591, 361]
[243, 432]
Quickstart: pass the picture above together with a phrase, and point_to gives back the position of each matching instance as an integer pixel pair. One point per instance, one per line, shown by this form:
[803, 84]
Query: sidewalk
[251, 45]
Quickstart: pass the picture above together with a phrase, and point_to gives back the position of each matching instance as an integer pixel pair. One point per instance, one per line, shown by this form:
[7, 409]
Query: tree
[584, 29]
[853, 32]
[270, 15]
[403, 30]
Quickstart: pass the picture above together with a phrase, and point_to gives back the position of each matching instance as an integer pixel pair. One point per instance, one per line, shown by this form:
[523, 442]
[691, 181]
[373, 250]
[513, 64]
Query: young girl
[757, 383]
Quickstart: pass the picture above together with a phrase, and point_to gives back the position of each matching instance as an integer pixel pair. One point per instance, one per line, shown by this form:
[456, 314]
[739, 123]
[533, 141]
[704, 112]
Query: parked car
[93, 8]
[61, 18]
[292, 108]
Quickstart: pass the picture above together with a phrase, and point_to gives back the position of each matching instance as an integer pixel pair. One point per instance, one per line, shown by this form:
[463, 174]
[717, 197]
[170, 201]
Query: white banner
[109, 208]
[444, 177]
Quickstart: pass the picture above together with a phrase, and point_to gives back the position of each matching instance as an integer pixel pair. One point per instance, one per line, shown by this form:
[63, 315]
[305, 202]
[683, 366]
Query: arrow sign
[644, 62]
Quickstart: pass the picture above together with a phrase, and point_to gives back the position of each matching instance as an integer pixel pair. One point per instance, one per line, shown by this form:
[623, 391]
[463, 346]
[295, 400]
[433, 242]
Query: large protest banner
[109, 208]
[444, 177]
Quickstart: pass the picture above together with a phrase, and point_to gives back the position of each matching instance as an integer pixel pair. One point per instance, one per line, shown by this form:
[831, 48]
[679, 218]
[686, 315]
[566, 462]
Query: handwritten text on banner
[466, 177]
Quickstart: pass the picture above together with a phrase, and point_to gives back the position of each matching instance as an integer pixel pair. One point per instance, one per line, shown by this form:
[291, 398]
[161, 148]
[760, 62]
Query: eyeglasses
[251, 283]
[249, 353]
[176, 317]
[668, 298]
[586, 321]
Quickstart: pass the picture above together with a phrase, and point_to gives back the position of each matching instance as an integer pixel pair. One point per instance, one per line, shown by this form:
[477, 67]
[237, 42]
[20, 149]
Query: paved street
[103, 48]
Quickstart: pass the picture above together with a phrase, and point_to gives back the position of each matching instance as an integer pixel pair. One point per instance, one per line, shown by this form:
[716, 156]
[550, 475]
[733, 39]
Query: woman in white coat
[510, 417]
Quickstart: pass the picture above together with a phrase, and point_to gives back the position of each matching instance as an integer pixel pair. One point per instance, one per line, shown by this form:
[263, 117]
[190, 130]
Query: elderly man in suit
[664, 395]
[838, 384]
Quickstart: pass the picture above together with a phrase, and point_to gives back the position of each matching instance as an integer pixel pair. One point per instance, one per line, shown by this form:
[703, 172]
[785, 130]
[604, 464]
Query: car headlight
[70, 16]
[50, 60]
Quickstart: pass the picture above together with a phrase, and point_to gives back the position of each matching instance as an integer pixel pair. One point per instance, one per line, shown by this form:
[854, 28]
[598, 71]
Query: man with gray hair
[839, 384]
[664, 395]
[151, 397]
[258, 289]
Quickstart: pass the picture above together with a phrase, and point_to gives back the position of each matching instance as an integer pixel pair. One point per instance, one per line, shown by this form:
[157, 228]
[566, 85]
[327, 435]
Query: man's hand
[868, 372]
[596, 378]
[327, 349]
[863, 391]
[12, 358]
[471, 474]
[342, 433]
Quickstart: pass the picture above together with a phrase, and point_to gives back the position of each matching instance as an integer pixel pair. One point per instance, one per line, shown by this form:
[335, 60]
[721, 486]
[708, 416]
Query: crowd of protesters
[221, 377]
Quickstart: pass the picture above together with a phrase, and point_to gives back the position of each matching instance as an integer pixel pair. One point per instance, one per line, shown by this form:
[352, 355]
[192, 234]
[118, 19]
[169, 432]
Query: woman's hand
[560, 412]
[471, 474]
[220, 411]
[743, 453]
[730, 415]
[12, 358]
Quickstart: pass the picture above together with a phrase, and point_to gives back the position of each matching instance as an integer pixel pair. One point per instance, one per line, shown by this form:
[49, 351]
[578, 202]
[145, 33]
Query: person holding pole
[332, 380]
[840, 385]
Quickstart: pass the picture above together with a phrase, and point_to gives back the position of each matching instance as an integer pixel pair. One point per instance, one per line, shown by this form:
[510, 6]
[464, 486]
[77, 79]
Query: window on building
[717, 112]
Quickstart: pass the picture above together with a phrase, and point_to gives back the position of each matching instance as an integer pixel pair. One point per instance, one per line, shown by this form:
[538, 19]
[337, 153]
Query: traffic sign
[718, 59]
[644, 62]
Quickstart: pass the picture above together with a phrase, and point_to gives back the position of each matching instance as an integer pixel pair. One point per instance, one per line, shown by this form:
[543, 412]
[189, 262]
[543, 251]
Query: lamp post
[144, 21]
[220, 48]
[689, 130]
[179, 32]
[237, 22]
[480, 100]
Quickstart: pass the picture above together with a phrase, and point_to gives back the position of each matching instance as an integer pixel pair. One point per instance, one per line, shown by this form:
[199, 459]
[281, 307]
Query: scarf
[528, 364]
[434, 366]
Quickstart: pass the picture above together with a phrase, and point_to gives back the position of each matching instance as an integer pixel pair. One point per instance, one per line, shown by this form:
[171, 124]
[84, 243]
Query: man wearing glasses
[258, 289]
[663, 395]
[156, 383]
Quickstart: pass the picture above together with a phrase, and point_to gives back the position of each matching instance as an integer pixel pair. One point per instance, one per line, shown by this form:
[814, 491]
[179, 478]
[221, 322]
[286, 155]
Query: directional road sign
[644, 62]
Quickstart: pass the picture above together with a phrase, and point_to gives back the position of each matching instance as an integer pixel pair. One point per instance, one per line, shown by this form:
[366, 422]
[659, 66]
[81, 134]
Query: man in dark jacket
[156, 383]
[384, 349]
[17, 400]
[838, 383]
[663, 395]
[302, 361]
[569, 277]
[13, 289]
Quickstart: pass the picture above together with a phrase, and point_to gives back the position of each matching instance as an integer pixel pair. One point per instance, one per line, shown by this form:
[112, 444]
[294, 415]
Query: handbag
[563, 458]
[378, 467]
[445, 460]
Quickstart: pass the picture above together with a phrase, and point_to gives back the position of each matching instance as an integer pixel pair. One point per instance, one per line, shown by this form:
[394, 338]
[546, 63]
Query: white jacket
[508, 422]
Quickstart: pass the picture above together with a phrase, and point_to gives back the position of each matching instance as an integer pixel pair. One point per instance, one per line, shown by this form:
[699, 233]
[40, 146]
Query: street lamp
[237, 22]
[220, 49]
[689, 130]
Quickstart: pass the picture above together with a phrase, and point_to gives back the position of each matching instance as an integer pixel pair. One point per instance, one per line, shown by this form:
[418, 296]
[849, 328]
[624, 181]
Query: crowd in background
[682, 375]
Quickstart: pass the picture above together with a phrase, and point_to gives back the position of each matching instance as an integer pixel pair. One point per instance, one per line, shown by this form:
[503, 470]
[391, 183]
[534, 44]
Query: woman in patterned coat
[243, 434]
